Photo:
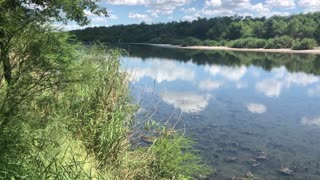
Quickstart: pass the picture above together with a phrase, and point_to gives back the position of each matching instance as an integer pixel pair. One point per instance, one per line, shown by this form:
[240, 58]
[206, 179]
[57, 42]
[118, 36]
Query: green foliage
[305, 43]
[65, 112]
[48, 11]
[307, 63]
[279, 31]
[190, 41]
[210, 43]
[249, 43]
[64, 109]
[80, 131]
[170, 156]
[280, 42]
[234, 31]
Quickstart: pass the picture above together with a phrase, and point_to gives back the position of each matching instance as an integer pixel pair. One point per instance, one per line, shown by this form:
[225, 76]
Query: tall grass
[81, 131]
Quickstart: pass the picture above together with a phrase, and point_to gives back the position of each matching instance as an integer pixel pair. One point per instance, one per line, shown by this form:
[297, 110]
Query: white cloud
[162, 70]
[213, 3]
[189, 18]
[95, 20]
[189, 10]
[217, 12]
[209, 85]
[186, 101]
[231, 4]
[310, 121]
[246, 8]
[167, 6]
[139, 17]
[231, 73]
[160, 6]
[68, 27]
[256, 108]
[309, 5]
[153, 12]
[281, 3]
[126, 2]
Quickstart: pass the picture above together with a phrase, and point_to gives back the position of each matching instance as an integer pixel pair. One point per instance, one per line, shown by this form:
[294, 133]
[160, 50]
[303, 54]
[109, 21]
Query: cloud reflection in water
[231, 73]
[273, 86]
[256, 108]
[311, 121]
[207, 85]
[186, 101]
[162, 70]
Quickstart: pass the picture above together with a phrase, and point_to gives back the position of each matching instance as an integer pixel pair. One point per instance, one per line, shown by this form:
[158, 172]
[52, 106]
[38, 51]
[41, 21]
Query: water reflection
[314, 91]
[207, 84]
[162, 70]
[231, 73]
[311, 121]
[281, 78]
[270, 87]
[256, 108]
[186, 101]
[239, 107]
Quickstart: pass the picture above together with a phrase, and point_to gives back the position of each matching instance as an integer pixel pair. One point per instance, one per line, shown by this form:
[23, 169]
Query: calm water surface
[237, 106]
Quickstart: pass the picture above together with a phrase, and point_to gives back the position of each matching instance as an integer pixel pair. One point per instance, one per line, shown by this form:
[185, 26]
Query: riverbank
[224, 48]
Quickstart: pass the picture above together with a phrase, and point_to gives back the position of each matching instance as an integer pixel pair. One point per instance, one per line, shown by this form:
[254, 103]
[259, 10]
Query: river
[248, 112]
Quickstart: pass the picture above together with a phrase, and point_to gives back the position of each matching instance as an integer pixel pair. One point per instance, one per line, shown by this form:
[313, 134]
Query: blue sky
[155, 11]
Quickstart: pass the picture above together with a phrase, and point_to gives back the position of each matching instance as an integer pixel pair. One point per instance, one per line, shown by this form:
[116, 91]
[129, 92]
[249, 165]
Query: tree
[29, 48]
[259, 30]
[17, 14]
[274, 28]
[234, 31]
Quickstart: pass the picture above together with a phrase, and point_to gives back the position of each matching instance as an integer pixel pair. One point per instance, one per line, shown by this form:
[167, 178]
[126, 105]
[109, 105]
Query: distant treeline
[301, 31]
[307, 63]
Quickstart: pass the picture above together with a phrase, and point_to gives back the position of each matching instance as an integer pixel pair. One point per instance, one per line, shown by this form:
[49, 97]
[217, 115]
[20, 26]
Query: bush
[306, 43]
[156, 40]
[210, 43]
[175, 41]
[191, 41]
[248, 43]
[279, 42]
[222, 42]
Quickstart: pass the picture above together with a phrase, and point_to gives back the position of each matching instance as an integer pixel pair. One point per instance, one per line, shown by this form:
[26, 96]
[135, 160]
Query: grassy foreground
[66, 114]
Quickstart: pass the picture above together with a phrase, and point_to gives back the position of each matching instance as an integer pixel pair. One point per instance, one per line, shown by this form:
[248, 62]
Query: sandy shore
[223, 48]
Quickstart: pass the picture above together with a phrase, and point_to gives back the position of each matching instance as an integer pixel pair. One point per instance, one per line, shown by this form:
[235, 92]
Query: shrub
[222, 42]
[248, 43]
[305, 43]
[175, 41]
[191, 41]
[156, 40]
[279, 42]
[210, 43]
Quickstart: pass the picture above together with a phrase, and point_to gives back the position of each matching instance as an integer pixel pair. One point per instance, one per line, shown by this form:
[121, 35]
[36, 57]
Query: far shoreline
[224, 48]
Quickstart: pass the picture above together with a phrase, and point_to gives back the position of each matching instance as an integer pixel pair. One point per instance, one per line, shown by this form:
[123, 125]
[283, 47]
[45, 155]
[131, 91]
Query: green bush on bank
[248, 43]
[279, 42]
[191, 41]
[210, 43]
[304, 44]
